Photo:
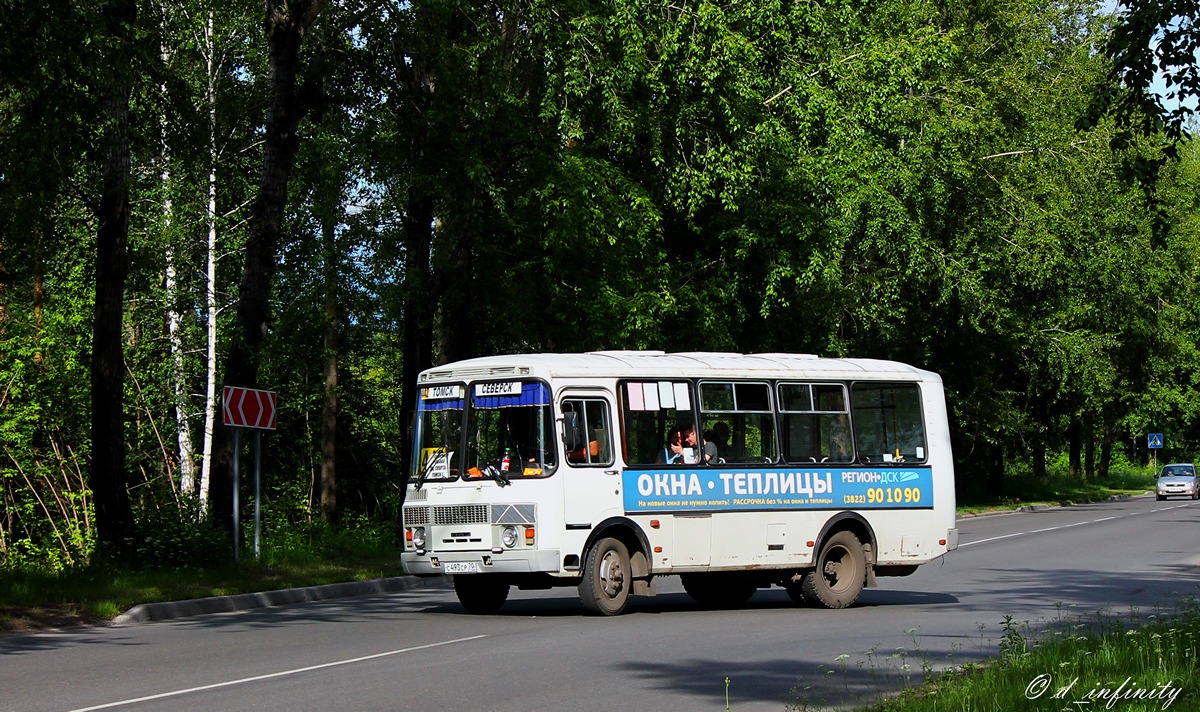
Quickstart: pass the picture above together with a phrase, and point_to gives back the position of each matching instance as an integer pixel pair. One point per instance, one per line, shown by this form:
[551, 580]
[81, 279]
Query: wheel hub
[833, 567]
[611, 574]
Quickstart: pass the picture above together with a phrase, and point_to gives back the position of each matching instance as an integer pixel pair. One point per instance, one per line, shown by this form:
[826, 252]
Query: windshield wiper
[439, 460]
[494, 472]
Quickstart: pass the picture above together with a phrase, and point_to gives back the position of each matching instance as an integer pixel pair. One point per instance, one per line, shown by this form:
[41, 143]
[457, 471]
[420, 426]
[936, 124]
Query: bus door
[592, 483]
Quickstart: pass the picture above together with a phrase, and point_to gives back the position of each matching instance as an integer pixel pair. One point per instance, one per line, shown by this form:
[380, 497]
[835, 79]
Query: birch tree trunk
[183, 431]
[210, 272]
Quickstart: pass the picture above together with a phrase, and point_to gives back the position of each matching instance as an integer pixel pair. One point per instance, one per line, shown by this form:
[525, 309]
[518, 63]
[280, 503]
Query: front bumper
[1176, 492]
[508, 562]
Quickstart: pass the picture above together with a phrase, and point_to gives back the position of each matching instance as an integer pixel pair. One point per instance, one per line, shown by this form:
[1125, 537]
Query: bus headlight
[509, 536]
[418, 537]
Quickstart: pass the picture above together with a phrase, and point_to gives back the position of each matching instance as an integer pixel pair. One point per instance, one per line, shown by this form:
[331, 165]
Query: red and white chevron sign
[248, 408]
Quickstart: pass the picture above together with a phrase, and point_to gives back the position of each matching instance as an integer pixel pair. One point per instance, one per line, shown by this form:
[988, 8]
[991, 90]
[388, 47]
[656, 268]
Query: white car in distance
[1177, 480]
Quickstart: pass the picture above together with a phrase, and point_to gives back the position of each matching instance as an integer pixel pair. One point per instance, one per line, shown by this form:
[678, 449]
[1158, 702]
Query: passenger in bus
[691, 445]
[839, 443]
[681, 446]
[716, 441]
[673, 452]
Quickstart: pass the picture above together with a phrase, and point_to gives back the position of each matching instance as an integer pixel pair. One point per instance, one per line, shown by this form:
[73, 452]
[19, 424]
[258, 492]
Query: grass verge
[1056, 492]
[32, 598]
[1134, 664]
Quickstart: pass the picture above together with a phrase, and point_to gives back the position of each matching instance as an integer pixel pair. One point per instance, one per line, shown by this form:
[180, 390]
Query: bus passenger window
[816, 423]
[738, 422]
[650, 410]
[888, 422]
[590, 416]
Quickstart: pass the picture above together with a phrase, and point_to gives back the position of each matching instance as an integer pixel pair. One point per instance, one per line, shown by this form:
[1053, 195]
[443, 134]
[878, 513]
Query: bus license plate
[460, 567]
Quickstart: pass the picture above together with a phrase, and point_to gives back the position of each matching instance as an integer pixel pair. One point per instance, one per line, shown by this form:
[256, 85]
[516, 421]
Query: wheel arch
[856, 524]
[629, 534]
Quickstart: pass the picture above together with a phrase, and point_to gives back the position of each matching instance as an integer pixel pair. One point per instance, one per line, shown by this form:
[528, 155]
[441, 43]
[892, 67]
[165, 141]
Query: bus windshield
[438, 434]
[510, 430]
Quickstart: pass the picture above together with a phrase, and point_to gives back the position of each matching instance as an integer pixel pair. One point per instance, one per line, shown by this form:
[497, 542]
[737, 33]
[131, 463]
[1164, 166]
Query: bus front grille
[460, 514]
[416, 516]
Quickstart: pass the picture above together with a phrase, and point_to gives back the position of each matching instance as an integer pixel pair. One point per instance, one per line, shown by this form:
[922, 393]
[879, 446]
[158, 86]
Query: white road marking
[1064, 526]
[995, 538]
[1067, 526]
[268, 676]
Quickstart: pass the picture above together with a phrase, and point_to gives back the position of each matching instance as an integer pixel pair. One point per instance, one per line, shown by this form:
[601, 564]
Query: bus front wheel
[607, 577]
[480, 593]
[840, 574]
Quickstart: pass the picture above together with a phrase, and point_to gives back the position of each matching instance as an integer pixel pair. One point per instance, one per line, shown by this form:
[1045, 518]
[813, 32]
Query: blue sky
[1160, 86]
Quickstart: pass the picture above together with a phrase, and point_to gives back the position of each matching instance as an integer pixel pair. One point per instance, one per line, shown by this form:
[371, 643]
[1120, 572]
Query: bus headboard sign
[506, 388]
[442, 392]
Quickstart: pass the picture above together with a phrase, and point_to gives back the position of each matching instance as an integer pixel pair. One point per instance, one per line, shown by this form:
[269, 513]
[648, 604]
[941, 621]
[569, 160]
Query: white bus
[540, 470]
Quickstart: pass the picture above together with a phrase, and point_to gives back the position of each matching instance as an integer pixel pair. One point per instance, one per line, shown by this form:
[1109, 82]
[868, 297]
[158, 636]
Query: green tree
[285, 26]
[1153, 39]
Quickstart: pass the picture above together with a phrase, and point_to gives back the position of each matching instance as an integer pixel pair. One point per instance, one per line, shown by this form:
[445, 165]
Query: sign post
[247, 408]
[1154, 442]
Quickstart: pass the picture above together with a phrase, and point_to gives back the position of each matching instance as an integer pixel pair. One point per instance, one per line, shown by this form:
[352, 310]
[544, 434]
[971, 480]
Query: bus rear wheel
[840, 574]
[480, 593]
[607, 577]
[717, 590]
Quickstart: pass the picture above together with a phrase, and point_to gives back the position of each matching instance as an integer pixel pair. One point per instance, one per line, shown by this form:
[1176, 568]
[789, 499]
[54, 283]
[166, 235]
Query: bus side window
[738, 422]
[587, 431]
[889, 426]
[649, 410]
[816, 423]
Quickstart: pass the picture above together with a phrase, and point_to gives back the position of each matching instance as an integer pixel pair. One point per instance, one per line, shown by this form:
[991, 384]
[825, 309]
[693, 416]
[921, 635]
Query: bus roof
[658, 364]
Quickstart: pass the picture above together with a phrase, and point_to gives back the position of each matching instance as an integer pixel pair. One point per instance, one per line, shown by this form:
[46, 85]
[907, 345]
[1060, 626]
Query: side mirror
[572, 431]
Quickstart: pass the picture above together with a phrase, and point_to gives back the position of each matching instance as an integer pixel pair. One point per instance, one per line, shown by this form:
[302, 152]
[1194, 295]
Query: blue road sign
[1154, 441]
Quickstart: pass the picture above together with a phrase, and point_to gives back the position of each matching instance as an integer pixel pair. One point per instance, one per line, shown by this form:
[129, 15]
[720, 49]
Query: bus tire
[482, 594]
[717, 590]
[840, 574]
[607, 577]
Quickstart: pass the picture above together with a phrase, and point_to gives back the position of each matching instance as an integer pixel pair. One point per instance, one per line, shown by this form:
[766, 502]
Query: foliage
[1154, 40]
[907, 180]
[177, 537]
[1055, 490]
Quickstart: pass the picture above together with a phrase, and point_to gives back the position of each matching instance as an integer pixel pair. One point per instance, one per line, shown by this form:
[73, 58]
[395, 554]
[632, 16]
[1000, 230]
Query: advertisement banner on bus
[697, 489]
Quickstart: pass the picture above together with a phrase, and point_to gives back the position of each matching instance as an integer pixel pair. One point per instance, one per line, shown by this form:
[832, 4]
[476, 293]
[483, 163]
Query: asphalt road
[417, 650]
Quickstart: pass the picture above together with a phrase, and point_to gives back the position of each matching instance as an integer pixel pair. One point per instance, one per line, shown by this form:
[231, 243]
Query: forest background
[326, 198]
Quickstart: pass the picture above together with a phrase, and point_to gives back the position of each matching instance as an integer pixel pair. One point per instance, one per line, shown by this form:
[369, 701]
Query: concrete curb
[247, 601]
